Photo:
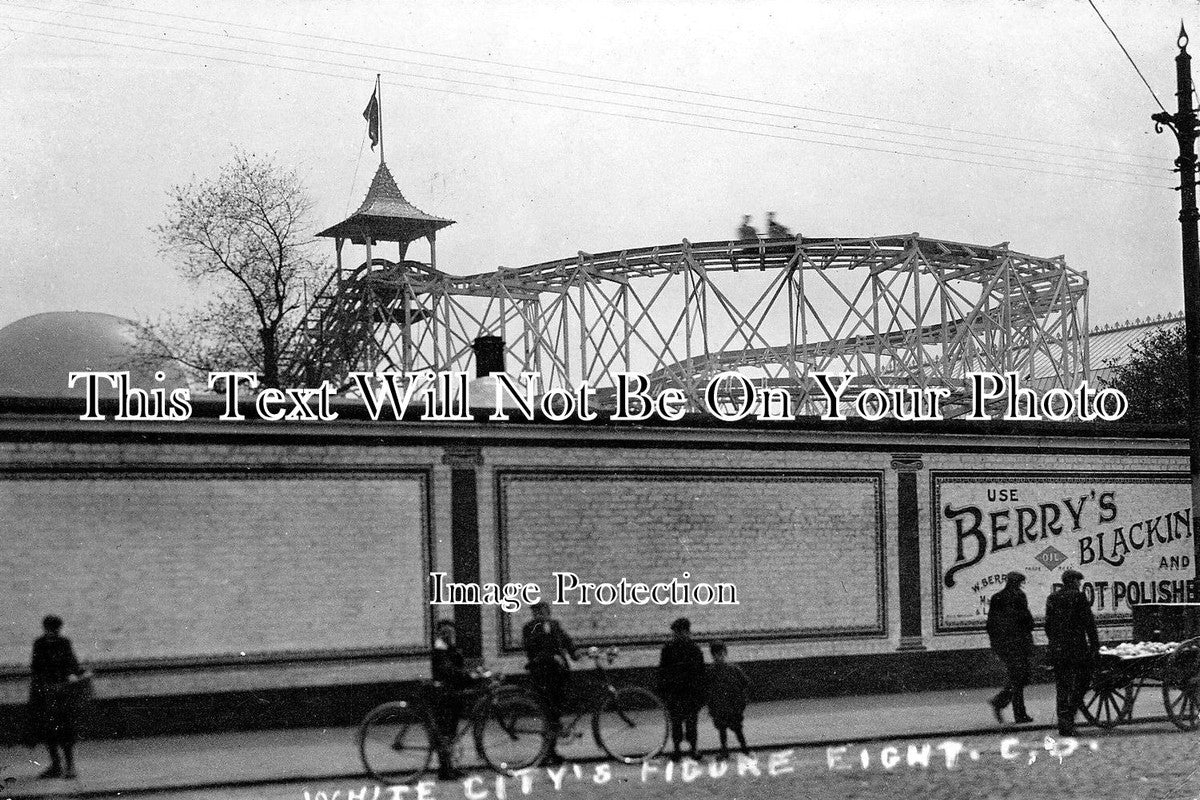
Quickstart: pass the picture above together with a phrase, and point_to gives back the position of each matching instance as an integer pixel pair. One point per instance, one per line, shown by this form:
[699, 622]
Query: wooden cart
[1118, 680]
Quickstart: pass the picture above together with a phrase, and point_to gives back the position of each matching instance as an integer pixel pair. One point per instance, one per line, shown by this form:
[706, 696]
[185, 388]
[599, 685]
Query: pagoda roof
[386, 216]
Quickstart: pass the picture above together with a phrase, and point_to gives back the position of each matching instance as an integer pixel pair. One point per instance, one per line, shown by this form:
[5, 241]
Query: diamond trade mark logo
[1051, 557]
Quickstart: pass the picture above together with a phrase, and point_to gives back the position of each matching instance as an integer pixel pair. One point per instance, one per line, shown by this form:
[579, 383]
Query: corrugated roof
[1109, 344]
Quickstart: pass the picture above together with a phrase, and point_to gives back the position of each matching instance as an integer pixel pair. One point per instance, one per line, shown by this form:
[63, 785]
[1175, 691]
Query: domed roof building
[38, 353]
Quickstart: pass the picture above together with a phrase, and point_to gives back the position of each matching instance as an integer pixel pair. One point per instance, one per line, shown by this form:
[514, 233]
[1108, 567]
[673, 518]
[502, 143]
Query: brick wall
[637, 482]
[803, 550]
[320, 579]
[172, 549]
[183, 565]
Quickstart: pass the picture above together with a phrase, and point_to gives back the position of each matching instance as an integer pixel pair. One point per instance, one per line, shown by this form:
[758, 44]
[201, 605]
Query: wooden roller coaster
[899, 309]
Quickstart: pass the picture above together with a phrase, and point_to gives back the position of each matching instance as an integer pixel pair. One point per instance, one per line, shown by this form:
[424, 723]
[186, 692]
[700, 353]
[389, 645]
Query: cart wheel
[1109, 700]
[1181, 685]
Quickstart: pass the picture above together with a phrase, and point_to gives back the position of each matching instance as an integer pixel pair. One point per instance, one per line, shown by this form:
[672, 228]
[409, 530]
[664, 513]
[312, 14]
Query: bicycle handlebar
[610, 655]
[600, 657]
[480, 675]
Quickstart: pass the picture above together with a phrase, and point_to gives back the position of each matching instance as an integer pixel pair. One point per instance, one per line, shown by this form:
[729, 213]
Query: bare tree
[245, 236]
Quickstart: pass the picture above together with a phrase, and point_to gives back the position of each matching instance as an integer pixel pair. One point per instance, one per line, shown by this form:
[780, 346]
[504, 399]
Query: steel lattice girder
[893, 310]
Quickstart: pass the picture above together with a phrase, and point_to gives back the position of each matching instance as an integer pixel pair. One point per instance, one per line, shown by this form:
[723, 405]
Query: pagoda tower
[366, 313]
[385, 216]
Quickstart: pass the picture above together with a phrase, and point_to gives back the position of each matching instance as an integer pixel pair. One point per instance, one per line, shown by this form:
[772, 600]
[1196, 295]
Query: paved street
[1147, 761]
[111, 767]
[929, 744]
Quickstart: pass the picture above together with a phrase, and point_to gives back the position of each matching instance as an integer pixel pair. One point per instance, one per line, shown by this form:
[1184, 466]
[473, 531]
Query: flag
[371, 115]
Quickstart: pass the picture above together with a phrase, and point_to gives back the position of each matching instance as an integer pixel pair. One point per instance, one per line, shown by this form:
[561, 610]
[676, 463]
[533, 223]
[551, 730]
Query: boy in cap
[681, 683]
[1010, 630]
[727, 697]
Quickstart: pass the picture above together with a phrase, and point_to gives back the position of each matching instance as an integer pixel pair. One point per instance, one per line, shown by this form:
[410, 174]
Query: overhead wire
[1090, 149]
[61, 12]
[1126, 52]
[553, 95]
[1090, 156]
[761, 134]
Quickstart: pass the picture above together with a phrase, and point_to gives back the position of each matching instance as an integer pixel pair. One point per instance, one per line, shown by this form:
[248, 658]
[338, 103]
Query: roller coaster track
[893, 309]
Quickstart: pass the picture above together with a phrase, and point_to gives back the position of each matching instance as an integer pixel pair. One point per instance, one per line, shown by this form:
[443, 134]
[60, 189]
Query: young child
[727, 697]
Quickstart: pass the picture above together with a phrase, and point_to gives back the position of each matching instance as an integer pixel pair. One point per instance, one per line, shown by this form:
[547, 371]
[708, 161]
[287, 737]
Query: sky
[548, 128]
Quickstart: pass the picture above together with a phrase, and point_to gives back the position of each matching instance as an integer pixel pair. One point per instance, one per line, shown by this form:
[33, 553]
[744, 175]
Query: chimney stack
[489, 355]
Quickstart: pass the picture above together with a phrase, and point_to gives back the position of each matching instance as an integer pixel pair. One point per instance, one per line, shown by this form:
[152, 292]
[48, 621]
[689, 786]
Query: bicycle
[397, 740]
[629, 723]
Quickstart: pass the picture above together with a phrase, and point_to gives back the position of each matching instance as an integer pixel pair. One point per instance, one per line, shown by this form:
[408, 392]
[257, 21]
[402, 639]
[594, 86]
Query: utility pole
[1183, 124]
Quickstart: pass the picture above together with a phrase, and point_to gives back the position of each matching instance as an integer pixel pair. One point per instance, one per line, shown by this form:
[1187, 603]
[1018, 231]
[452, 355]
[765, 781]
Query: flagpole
[379, 99]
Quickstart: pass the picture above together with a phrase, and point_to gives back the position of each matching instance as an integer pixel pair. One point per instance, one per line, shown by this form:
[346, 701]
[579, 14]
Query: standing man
[548, 648]
[1074, 643]
[1010, 630]
[682, 685]
[450, 679]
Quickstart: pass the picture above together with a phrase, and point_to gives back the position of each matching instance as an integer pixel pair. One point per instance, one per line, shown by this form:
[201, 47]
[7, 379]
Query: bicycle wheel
[511, 731]
[631, 725]
[395, 744]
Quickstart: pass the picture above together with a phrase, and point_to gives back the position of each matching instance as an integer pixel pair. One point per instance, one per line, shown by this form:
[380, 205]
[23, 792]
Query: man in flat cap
[1073, 646]
[451, 679]
[1010, 630]
[550, 651]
